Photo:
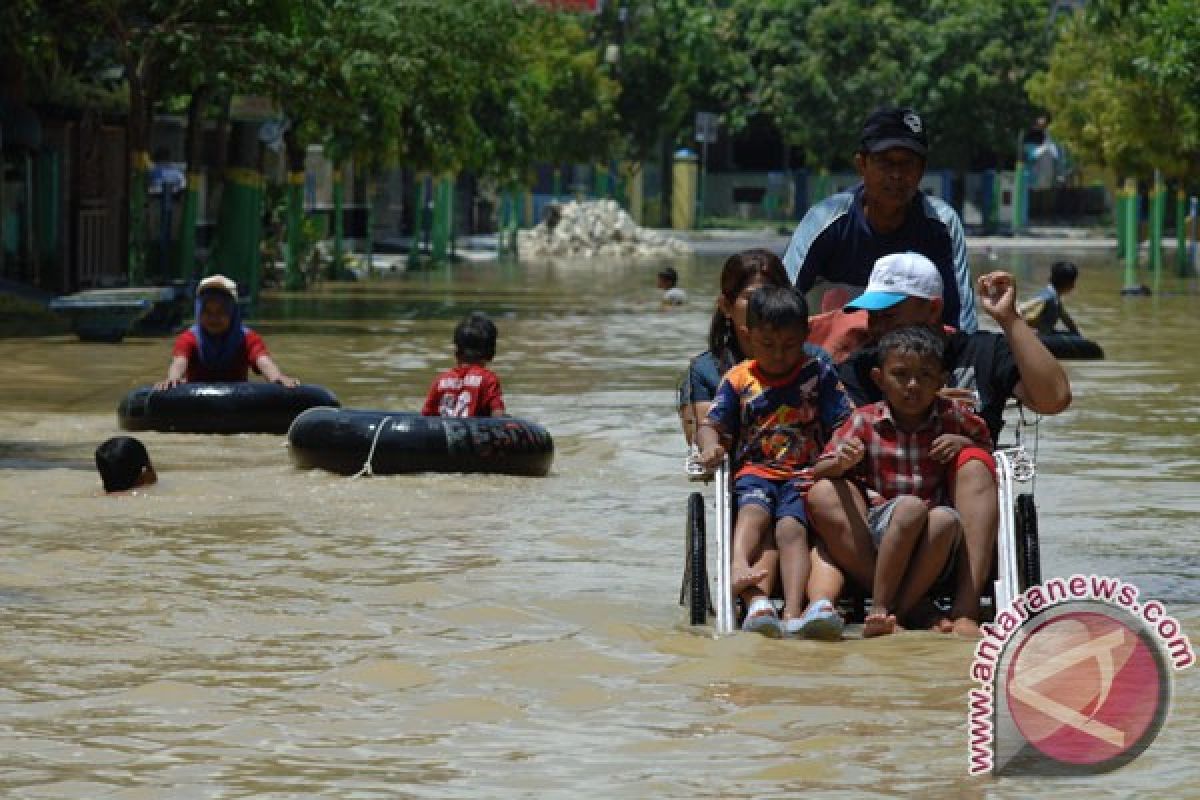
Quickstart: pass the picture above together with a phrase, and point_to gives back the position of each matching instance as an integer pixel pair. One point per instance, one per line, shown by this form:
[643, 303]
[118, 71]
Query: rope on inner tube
[366, 470]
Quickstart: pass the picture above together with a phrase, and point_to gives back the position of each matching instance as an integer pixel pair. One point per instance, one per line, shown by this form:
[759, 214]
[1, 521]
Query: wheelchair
[1017, 565]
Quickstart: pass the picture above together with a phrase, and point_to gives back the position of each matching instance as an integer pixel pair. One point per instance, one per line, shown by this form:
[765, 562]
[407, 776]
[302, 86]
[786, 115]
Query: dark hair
[739, 271]
[777, 307]
[1063, 274]
[475, 338]
[921, 341]
[669, 274]
[121, 461]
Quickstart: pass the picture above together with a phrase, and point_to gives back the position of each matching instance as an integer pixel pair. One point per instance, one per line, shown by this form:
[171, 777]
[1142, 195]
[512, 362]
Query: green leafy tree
[1124, 88]
[816, 68]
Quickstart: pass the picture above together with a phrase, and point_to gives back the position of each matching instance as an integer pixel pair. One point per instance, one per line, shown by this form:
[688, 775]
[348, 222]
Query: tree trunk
[186, 254]
[295, 209]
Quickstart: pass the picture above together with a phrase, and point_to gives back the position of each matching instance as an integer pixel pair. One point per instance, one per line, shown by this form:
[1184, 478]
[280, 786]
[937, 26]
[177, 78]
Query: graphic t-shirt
[781, 425]
[465, 391]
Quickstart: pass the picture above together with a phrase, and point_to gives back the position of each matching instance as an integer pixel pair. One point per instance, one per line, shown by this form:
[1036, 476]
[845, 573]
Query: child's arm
[175, 372]
[974, 433]
[947, 446]
[269, 370]
[839, 459]
[708, 439]
[1066, 319]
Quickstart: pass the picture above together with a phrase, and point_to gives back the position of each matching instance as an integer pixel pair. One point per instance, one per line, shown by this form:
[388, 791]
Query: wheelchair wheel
[1028, 551]
[694, 592]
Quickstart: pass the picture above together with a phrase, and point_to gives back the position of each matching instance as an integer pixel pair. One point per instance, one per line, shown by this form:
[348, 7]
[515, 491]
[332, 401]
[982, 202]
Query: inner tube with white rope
[354, 442]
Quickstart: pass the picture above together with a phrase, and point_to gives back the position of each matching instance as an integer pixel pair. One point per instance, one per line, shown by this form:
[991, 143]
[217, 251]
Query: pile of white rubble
[594, 228]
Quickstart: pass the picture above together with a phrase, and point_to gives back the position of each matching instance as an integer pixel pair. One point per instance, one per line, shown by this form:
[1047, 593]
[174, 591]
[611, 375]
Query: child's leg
[794, 564]
[825, 581]
[837, 513]
[929, 560]
[908, 521]
[754, 557]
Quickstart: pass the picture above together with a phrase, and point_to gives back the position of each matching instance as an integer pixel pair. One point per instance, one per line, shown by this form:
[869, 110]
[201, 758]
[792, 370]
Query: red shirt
[468, 390]
[897, 462]
[253, 348]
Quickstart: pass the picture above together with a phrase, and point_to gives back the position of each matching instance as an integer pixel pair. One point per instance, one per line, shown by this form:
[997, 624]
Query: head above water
[667, 278]
[124, 464]
[475, 339]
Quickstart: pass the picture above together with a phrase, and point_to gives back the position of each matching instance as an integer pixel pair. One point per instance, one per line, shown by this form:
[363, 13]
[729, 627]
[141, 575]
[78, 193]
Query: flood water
[248, 630]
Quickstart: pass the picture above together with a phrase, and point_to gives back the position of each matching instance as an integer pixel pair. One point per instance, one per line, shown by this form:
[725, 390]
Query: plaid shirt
[897, 462]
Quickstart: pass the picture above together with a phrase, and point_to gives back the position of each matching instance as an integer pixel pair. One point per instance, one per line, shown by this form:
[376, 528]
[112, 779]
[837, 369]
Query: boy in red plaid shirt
[902, 449]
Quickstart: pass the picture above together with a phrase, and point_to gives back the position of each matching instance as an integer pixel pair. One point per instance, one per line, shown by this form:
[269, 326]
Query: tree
[816, 68]
[1124, 87]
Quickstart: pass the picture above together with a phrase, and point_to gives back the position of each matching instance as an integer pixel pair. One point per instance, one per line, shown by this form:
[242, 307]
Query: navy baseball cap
[890, 127]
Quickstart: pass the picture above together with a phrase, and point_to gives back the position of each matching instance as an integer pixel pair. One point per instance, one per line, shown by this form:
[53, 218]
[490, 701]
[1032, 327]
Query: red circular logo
[1088, 688]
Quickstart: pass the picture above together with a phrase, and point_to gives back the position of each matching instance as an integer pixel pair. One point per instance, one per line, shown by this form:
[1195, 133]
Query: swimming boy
[780, 407]
[218, 347]
[124, 464]
[1044, 311]
[470, 389]
[902, 450]
[672, 294]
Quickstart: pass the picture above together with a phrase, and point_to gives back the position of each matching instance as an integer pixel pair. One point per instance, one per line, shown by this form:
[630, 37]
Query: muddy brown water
[246, 629]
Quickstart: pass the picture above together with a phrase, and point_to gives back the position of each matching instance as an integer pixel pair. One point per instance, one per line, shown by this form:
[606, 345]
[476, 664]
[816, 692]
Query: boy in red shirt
[218, 347]
[903, 449]
[470, 389]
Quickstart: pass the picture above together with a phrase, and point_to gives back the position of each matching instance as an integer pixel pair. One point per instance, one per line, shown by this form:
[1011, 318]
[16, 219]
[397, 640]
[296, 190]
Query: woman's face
[736, 311]
[215, 316]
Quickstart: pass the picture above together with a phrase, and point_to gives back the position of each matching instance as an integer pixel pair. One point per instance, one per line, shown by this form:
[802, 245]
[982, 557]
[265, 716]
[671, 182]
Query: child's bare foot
[879, 625]
[745, 577]
[966, 627]
[942, 625]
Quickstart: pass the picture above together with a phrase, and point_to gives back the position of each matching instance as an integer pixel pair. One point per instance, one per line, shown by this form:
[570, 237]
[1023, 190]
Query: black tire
[1028, 550]
[694, 592]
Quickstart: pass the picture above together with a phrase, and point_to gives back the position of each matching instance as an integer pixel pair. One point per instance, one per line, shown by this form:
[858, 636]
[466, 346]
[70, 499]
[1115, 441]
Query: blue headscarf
[218, 352]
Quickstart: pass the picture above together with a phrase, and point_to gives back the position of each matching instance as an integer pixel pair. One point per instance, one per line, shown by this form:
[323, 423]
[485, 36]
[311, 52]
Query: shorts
[880, 516]
[974, 453]
[780, 497]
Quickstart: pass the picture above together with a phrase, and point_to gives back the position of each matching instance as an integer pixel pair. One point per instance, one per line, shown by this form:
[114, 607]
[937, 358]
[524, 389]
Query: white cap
[218, 283]
[897, 277]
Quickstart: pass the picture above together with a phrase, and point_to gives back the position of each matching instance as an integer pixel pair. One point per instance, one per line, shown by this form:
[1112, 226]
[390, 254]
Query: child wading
[218, 347]
[1044, 311]
[779, 407]
[901, 449]
[470, 389]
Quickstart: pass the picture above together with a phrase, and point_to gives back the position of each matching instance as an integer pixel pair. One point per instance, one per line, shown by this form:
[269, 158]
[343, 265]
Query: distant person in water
[470, 389]
[1044, 311]
[124, 464]
[218, 347]
[672, 294]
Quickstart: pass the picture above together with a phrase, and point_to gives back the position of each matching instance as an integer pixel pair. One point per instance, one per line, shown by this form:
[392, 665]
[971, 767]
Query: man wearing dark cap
[840, 238]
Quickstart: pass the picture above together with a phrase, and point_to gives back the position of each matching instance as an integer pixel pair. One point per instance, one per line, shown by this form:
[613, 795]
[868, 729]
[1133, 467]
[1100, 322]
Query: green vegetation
[1125, 89]
[497, 86]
